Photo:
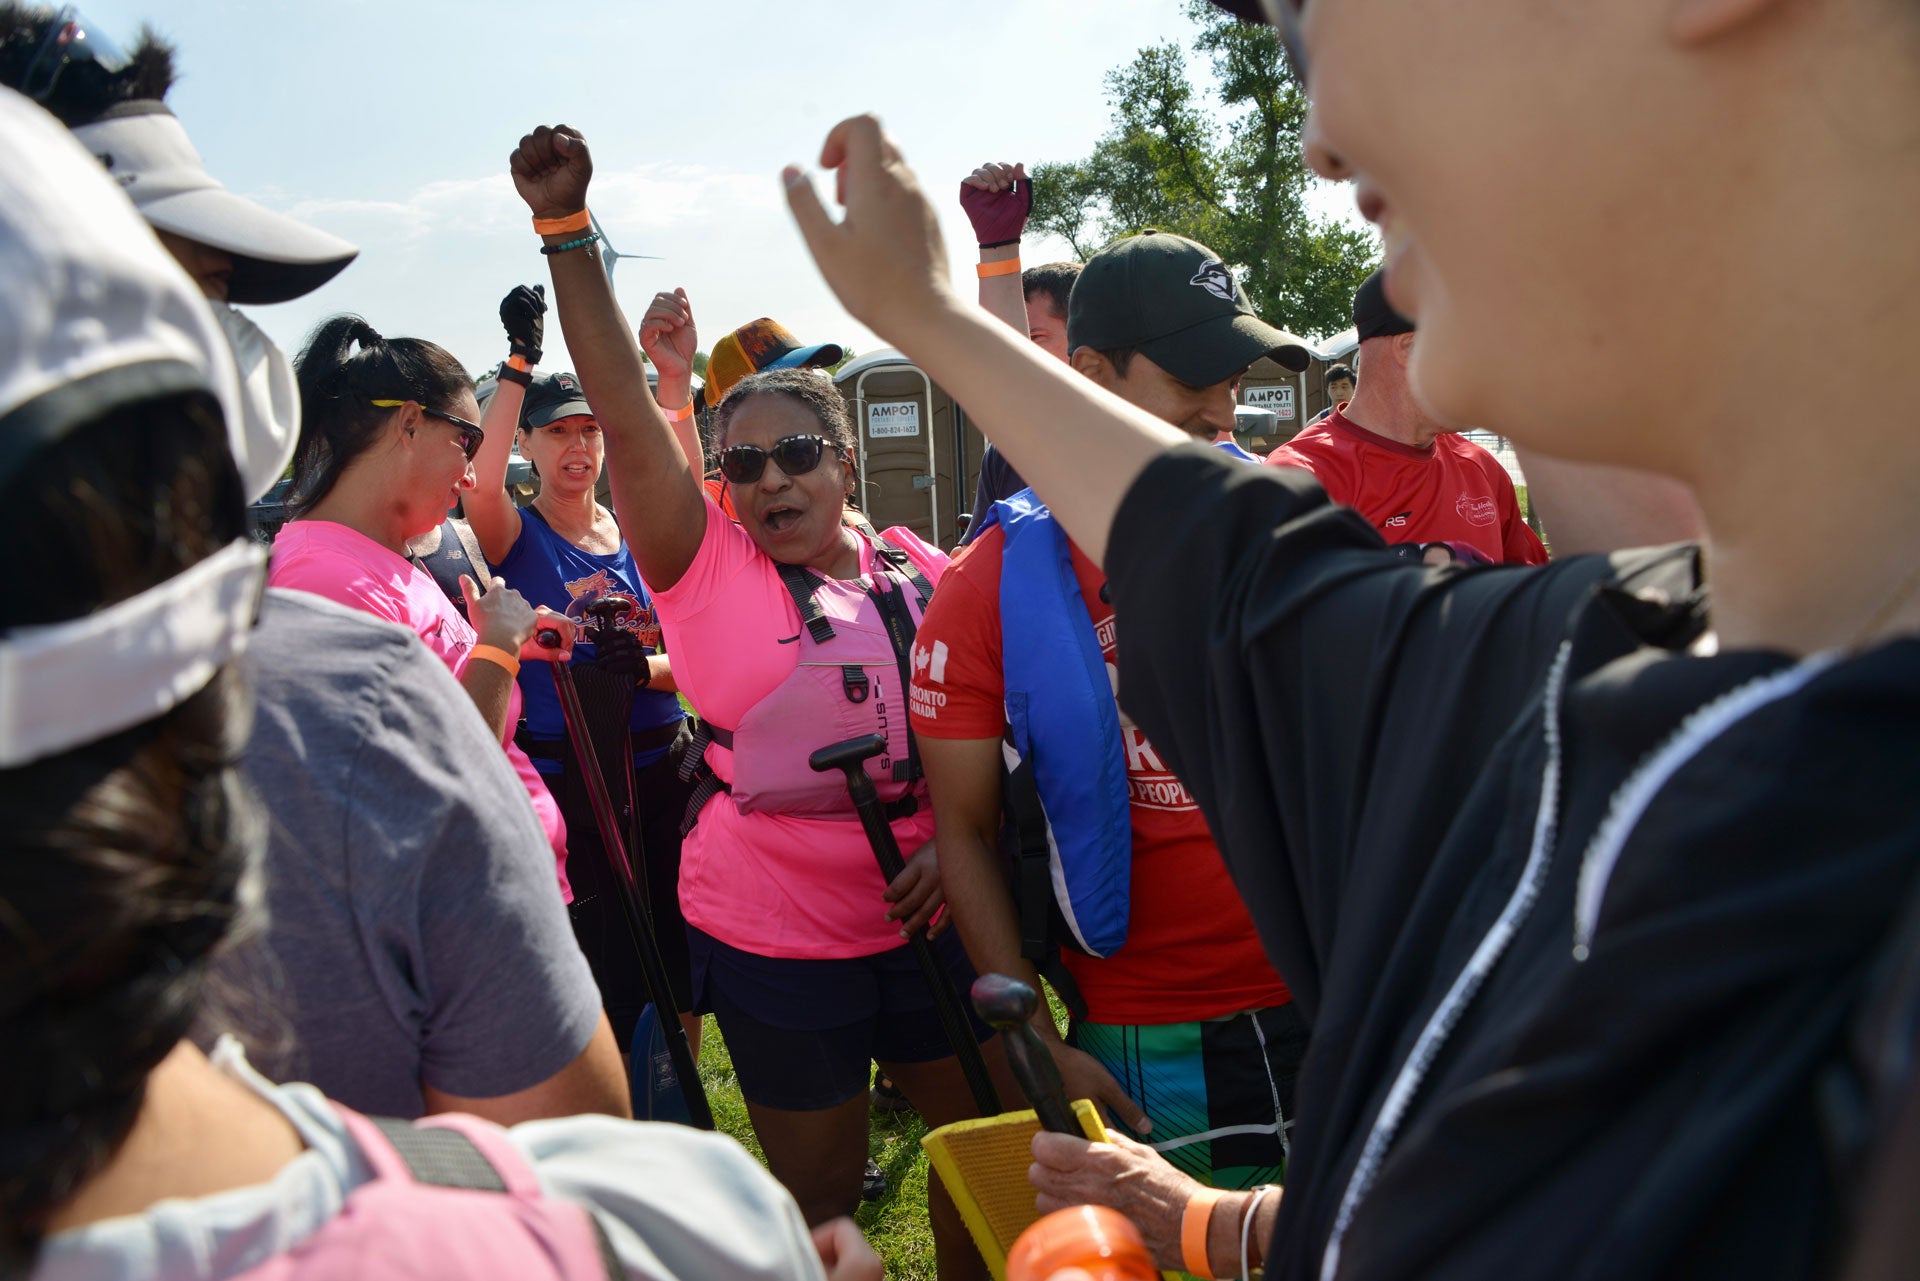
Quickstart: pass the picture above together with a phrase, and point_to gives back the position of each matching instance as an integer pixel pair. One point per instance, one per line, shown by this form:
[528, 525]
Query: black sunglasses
[469, 434]
[795, 456]
[70, 42]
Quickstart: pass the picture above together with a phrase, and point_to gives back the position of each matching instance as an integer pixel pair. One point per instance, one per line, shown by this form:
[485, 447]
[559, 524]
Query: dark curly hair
[807, 386]
[85, 91]
[125, 856]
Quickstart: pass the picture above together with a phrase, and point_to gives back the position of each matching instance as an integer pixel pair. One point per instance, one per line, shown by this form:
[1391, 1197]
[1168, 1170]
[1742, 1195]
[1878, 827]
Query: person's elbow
[595, 1081]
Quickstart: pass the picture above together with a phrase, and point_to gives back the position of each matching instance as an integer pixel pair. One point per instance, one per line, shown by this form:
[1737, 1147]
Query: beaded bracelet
[581, 243]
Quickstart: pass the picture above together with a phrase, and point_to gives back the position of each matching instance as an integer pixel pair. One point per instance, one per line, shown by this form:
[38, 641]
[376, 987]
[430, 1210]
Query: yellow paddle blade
[984, 1166]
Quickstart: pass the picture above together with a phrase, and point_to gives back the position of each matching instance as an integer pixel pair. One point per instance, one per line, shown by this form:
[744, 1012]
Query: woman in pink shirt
[387, 438]
[791, 630]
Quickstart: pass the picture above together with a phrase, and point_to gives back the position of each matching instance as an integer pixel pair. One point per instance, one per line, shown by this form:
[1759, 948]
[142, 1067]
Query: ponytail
[338, 385]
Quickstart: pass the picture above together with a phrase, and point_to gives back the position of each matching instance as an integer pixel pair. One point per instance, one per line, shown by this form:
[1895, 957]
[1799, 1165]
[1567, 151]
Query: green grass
[897, 1223]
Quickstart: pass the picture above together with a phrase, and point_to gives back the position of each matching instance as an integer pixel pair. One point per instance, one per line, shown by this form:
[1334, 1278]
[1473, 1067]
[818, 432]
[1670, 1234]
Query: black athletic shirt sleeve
[1317, 694]
[998, 480]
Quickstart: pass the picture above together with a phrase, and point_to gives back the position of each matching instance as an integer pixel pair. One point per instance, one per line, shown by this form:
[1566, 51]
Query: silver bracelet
[1246, 1224]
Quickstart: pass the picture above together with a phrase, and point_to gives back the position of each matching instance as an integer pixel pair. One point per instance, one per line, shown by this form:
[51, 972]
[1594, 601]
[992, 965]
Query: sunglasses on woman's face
[794, 455]
[468, 434]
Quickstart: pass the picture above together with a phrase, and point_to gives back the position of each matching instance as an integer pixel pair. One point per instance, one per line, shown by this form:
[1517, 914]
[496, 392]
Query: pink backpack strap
[454, 1150]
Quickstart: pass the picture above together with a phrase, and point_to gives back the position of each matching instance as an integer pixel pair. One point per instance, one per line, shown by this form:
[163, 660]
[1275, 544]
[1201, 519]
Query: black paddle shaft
[1008, 1004]
[639, 927]
[850, 758]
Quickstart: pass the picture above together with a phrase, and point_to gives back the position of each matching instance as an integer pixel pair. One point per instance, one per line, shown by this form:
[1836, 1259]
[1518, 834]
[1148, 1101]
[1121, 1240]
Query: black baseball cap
[553, 397]
[1174, 301]
[1373, 315]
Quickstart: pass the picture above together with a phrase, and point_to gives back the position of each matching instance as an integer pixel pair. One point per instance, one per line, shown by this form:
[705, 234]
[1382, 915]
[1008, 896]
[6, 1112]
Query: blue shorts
[802, 1033]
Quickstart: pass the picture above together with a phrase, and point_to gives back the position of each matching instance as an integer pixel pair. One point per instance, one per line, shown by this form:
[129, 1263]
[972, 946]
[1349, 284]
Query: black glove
[523, 313]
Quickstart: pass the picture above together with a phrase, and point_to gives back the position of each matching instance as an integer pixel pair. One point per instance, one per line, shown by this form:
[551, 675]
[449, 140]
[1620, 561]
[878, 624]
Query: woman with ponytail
[126, 1151]
[389, 428]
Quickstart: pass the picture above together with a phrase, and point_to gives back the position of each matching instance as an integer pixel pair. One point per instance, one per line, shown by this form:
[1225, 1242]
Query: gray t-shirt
[415, 934]
[674, 1202]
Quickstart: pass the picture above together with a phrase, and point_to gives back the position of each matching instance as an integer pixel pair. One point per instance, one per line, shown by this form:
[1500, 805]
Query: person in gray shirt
[416, 956]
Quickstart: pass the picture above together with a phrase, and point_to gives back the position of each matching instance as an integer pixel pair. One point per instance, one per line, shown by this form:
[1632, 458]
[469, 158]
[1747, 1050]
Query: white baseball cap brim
[275, 258]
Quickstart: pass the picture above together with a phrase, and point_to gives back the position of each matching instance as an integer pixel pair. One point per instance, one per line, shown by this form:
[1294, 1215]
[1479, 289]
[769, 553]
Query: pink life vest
[852, 677]
[451, 1197]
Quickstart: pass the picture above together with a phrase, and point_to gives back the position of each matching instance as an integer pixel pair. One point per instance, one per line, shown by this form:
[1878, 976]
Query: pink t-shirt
[345, 565]
[772, 884]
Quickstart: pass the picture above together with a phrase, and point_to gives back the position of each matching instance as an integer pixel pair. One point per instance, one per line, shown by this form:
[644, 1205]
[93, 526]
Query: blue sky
[389, 122]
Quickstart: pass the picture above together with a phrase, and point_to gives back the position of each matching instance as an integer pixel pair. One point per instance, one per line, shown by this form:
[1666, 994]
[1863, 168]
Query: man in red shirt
[1189, 1036]
[1421, 483]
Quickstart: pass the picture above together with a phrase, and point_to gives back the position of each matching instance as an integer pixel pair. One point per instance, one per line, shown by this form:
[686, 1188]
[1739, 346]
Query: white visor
[95, 314]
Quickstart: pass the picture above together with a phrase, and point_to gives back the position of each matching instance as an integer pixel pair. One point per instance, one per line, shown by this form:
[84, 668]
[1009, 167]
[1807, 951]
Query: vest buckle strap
[853, 679]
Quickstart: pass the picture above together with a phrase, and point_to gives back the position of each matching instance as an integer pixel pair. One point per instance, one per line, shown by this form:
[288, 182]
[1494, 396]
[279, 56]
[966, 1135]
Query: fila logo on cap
[1214, 277]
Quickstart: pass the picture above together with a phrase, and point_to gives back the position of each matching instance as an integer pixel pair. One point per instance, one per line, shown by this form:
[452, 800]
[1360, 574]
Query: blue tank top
[548, 570]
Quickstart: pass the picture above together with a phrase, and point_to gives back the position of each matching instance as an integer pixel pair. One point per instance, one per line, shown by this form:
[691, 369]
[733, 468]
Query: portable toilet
[1279, 395]
[919, 459]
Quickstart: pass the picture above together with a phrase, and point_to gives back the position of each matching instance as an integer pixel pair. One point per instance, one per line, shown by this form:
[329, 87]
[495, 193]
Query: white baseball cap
[148, 152]
[94, 314]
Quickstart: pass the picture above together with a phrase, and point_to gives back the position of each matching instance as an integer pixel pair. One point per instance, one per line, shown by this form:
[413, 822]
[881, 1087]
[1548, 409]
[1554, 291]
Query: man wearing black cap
[1153, 945]
[1420, 483]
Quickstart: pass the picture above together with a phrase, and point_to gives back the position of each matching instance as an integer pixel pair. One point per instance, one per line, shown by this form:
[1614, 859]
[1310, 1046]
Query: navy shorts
[802, 1032]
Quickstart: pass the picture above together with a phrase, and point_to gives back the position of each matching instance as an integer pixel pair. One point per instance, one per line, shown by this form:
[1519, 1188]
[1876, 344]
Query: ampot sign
[893, 418]
[1276, 400]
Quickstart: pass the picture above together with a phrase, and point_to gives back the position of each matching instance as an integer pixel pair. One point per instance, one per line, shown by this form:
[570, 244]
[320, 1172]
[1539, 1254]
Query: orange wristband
[561, 226]
[498, 657]
[1005, 267]
[520, 363]
[1193, 1231]
[679, 415]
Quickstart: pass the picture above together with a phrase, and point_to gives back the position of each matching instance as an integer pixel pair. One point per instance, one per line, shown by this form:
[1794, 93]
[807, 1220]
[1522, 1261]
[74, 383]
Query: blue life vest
[1062, 720]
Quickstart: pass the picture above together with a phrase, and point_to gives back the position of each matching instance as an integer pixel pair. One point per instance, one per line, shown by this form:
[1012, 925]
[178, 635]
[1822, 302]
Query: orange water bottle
[1086, 1243]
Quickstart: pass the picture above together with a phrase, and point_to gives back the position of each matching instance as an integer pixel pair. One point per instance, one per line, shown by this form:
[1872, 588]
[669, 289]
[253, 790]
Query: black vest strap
[446, 1158]
[900, 631]
[801, 585]
[456, 552]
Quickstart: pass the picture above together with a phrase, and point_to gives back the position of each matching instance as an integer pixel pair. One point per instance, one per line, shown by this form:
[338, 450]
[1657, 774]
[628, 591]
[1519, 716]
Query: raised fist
[997, 199]
[523, 313]
[551, 170]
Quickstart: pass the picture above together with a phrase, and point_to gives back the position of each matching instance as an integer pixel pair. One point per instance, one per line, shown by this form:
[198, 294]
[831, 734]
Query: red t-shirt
[1452, 491]
[1191, 952]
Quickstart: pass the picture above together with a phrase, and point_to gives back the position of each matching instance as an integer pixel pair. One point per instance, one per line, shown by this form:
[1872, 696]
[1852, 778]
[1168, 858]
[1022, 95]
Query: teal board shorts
[1219, 1092]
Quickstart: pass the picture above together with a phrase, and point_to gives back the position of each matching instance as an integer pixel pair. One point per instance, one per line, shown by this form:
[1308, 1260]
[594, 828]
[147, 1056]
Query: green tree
[1228, 175]
[700, 363]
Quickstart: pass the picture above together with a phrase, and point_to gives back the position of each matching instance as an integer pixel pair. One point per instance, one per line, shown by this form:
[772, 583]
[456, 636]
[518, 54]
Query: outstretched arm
[668, 336]
[997, 198]
[656, 491]
[489, 508]
[1079, 446]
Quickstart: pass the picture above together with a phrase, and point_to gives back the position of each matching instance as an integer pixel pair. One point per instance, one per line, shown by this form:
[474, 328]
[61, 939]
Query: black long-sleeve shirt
[1562, 1027]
